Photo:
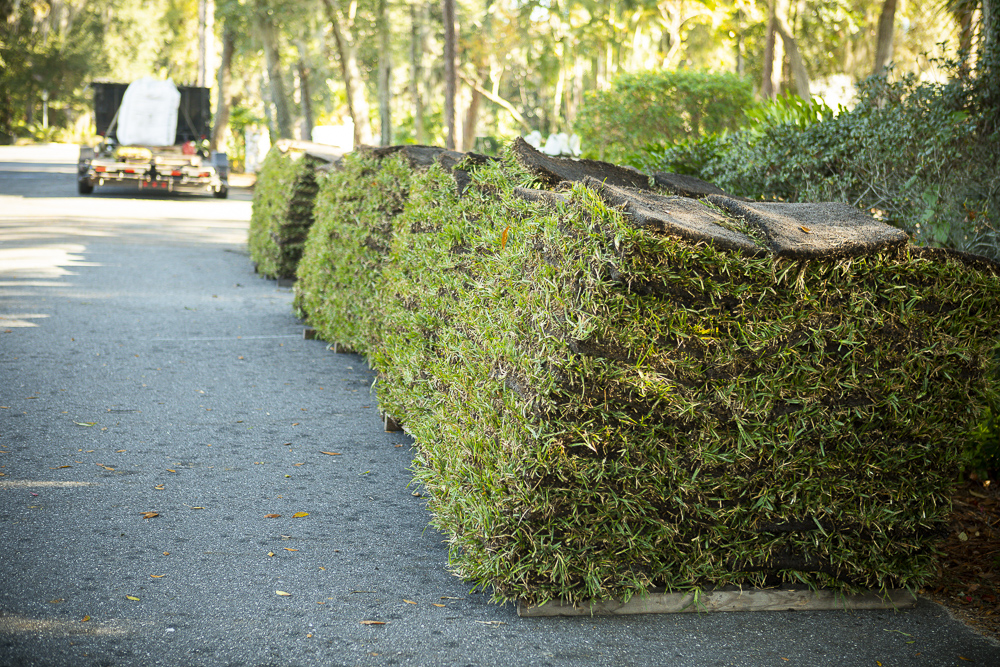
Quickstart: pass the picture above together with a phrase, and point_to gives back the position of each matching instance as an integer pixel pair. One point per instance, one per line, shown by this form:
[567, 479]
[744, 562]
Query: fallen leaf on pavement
[283, 593]
[373, 622]
[159, 487]
[58, 467]
[169, 470]
[85, 619]
[331, 453]
[131, 597]
[149, 515]
[438, 605]
[157, 576]
[56, 601]
[287, 549]
[85, 423]
[270, 553]
[272, 516]
[408, 601]
[299, 515]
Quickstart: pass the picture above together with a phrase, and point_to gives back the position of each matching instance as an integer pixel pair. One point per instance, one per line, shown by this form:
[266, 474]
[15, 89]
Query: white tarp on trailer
[148, 115]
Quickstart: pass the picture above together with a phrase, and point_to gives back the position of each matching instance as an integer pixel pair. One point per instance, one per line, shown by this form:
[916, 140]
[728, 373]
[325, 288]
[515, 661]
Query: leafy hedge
[921, 156]
[600, 407]
[660, 107]
[282, 211]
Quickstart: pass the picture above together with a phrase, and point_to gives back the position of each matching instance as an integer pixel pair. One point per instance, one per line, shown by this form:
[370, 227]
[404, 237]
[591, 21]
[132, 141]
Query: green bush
[601, 408]
[913, 154]
[282, 211]
[659, 107]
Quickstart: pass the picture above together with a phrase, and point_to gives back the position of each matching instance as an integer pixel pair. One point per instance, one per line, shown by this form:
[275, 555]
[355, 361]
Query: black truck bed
[194, 117]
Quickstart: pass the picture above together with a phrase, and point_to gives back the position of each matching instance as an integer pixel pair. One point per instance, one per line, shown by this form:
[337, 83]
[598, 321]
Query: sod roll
[283, 208]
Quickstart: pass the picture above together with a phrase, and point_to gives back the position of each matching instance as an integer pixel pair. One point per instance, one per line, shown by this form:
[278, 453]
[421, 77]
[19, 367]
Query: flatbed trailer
[185, 166]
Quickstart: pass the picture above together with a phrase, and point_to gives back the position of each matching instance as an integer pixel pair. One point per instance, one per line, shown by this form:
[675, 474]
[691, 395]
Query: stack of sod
[427, 270]
[613, 391]
[282, 209]
[345, 250]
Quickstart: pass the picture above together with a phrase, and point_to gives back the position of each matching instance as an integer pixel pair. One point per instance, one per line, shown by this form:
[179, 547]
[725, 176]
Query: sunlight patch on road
[17, 624]
[32, 484]
[19, 320]
[42, 262]
[33, 283]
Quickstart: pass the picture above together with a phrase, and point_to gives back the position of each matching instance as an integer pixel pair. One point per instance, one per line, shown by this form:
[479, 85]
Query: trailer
[153, 137]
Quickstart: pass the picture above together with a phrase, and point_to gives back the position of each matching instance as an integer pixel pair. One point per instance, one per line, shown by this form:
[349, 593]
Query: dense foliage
[924, 157]
[660, 106]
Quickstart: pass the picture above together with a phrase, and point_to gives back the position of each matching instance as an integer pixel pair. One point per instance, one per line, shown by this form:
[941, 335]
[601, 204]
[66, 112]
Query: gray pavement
[144, 367]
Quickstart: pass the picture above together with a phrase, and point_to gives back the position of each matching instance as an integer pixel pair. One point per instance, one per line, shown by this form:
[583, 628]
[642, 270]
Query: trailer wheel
[221, 193]
[84, 187]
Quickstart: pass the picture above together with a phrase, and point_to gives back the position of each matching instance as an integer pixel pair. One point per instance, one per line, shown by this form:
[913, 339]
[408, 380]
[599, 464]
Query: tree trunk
[991, 29]
[448, 11]
[384, 74]
[272, 56]
[357, 101]
[883, 44]
[416, 73]
[798, 66]
[202, 47]
[471, 123]
[991, 66]
[223, 100]
[305, 93]
[770, 84]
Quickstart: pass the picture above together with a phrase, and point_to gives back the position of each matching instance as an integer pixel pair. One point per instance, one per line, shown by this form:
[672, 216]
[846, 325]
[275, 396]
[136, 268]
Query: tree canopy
[519, 65]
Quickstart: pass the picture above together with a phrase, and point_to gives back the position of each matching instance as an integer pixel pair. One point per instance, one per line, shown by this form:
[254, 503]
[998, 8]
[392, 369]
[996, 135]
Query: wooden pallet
[774, 599]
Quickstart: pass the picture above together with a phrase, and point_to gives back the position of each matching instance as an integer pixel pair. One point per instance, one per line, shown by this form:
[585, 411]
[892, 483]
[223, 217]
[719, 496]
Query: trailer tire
[84, 187]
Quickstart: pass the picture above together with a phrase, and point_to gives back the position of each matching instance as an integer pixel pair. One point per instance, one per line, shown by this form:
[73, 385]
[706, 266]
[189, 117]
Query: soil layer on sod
[613, 390]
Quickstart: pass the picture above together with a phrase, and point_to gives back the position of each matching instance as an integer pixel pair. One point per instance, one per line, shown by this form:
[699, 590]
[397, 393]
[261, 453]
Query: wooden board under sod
[726, 600]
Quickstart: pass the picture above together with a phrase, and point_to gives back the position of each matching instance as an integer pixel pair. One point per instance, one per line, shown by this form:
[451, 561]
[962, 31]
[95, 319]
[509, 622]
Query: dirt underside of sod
[615, 389]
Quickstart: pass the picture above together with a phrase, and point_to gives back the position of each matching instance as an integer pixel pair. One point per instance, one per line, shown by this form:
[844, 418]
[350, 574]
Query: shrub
[659, 107]
[913, 154]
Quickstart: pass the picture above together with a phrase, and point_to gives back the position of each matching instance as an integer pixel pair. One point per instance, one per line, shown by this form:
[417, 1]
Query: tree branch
[496, 99]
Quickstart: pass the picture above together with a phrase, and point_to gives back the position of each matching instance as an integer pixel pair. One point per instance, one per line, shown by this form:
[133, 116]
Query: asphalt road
[144, 367]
